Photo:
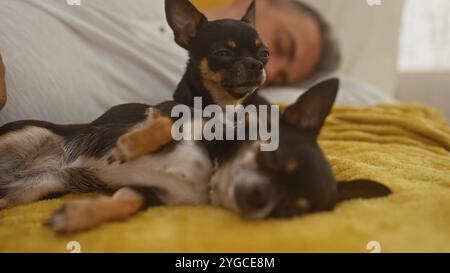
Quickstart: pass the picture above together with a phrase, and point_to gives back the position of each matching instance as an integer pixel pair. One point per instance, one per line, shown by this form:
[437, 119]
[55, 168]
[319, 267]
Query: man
[69, 64]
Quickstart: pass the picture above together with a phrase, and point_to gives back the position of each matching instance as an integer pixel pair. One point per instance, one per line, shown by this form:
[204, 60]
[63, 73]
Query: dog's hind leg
[30, 163]
[30, 190]
[84, 214]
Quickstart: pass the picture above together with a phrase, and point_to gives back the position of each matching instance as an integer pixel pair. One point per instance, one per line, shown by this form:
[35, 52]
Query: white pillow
[352, 92]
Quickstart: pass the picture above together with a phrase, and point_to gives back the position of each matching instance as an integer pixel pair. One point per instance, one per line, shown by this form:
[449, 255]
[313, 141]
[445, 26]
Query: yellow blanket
[406, 147]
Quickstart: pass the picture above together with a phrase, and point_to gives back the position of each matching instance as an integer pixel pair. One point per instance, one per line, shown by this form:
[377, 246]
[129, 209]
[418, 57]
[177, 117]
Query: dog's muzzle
[245, 77]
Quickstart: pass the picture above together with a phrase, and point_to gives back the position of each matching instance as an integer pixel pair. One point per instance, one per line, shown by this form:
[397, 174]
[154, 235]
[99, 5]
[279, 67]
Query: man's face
[294, 40]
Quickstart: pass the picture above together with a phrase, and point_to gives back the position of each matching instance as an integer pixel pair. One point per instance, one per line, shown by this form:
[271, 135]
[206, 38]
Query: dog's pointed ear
[361, 189]
[184, 19]
[313, 107]
[250, 15]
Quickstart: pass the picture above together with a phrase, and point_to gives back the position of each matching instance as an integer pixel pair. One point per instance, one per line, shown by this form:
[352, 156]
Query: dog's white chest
[182, 173]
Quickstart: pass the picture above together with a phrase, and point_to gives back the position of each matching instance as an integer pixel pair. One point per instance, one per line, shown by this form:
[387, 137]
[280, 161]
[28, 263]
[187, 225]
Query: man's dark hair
[330, 57]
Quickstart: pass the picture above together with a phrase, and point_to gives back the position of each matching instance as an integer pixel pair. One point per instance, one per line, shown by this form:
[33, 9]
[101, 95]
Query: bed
[406, 147]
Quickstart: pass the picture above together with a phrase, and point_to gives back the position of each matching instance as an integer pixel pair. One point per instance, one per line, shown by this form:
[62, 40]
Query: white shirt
[69, 64]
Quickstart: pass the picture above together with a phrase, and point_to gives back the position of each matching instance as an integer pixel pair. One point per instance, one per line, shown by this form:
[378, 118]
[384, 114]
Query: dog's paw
[125, 150]
[142, 141]
[121, 153]
[73, 216]
[127, 146]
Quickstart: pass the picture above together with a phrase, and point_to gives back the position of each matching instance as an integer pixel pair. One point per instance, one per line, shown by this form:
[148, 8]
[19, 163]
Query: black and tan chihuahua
[227, 58]
[294, 179]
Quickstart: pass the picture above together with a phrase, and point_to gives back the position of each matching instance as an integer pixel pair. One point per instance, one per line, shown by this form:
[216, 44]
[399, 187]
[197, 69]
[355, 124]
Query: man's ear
[184, 19]
[313, 107]
[361, 189]
[250, 15]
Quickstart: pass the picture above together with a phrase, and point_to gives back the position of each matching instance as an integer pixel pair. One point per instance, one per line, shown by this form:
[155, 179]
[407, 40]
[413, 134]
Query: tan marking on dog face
[290, 166]
[213, 83]
[258, 42]
[232, 44]
[211, 76]
[303, 204]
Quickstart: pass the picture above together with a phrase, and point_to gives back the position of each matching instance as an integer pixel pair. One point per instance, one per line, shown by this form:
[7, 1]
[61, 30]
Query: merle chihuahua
[40, 159]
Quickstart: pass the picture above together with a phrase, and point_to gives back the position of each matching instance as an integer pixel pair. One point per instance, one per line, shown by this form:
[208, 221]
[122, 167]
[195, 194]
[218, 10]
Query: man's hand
[2, 84]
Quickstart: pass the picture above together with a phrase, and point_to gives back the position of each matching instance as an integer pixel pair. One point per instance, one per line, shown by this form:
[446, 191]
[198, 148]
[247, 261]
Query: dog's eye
[269, 161]
[264, 54]
[223, 53]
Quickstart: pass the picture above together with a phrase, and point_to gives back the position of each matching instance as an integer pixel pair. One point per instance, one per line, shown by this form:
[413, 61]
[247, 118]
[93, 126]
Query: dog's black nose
[253, 197]
[254, 65]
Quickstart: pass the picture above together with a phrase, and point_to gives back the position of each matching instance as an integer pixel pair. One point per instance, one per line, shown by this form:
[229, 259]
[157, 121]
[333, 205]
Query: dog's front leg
[155, 133]
[81, 215]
